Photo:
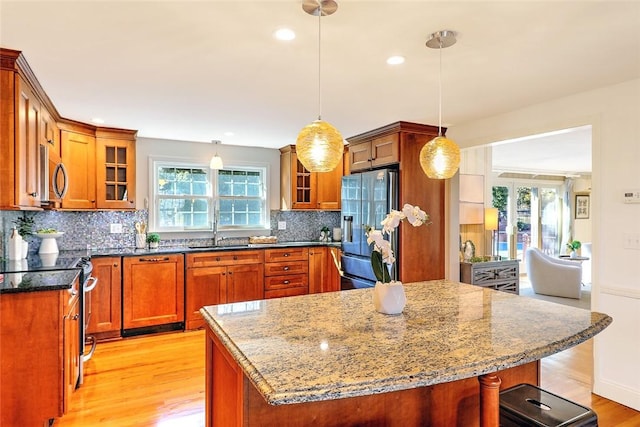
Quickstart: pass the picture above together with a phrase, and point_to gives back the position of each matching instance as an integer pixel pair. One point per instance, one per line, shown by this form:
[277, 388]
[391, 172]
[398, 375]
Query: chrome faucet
[216, 217]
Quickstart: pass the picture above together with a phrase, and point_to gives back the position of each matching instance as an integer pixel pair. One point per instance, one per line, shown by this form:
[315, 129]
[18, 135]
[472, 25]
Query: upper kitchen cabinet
[115, 169]
[301, 189]
[79, 157]
[367, 152]
[23, 105]
[43, 155]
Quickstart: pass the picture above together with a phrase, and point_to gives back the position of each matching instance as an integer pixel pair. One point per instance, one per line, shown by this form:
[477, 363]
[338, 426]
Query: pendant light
[216, 161]
[440, 157]
[319, 146]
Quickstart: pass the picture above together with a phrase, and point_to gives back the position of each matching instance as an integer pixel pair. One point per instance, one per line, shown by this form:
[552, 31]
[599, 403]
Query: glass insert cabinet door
[116, 164]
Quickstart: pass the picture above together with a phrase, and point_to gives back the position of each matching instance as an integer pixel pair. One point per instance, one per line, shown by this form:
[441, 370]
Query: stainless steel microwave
[54, 180]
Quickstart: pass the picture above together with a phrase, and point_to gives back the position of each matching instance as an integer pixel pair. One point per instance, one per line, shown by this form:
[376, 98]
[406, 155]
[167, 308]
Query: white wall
[184, 150]
[614, 113]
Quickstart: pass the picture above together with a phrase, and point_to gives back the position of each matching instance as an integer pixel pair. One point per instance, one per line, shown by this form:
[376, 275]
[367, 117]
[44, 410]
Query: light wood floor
[159, 381]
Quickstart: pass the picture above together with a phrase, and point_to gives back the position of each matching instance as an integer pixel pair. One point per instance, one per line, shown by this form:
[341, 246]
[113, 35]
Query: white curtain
[566, 232]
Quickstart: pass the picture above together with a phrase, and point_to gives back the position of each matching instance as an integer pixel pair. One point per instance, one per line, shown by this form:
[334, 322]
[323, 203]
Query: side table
[501, 275]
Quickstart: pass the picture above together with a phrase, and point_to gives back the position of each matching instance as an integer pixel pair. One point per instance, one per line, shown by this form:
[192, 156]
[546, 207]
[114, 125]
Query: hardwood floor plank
[159, 381]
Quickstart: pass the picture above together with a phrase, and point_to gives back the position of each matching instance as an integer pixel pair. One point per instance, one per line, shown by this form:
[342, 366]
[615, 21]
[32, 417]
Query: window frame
[156, 162]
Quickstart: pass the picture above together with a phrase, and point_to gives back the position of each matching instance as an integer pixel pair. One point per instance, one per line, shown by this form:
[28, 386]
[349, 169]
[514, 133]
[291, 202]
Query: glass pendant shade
[216, 163]
[319, 147]
[440, 158]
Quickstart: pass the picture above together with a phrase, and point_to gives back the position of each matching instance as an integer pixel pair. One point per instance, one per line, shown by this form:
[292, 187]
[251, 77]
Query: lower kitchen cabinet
[106, 299]
[152, 292]
[219, 278]
[286, 272]
[39, 355]
[324, 275]
[71, 343]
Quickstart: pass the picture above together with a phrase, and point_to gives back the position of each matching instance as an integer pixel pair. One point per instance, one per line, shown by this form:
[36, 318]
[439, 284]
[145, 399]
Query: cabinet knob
[34, 194]
[75, 317]
[231, 273]
[286, 282]
[285, 255]
[115, 264]
[224, 274]
[286, 268]
[235, 258]
[218, 258]
[50, 141]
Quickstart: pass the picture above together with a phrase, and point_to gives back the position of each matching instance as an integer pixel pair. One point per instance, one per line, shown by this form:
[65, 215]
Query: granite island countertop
[335, 345]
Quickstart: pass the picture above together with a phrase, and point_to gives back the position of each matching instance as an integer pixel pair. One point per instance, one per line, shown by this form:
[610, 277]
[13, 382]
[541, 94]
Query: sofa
[553, 276]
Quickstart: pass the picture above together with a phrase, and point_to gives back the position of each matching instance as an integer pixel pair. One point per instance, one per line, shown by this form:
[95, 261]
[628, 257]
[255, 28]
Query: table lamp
[491, 224]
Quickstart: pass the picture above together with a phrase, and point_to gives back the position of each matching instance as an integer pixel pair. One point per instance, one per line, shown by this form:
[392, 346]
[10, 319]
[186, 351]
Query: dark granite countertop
[130, 251]
[37, 281]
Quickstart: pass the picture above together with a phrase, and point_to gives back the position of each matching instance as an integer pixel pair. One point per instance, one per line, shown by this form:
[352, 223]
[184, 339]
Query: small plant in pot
[153, 239]
[573, 246]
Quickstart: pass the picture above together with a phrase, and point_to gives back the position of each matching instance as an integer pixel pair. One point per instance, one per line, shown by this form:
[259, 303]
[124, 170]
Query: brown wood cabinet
[421, 250]
[28, 120]
[39, 358]
[106, 298]
[71, 334]
[20, 128]
[79, 157]
[152, 291]
[115, 169]
[301, 189]
[221, 277]
[323, 271]
[373, 152]
[286, 272]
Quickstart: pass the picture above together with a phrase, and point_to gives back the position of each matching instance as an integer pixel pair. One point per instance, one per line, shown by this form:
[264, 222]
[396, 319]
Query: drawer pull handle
[235, 257]
[286, 254]
[153, 259]
[286, 282]
[286, 268]
[218, 258]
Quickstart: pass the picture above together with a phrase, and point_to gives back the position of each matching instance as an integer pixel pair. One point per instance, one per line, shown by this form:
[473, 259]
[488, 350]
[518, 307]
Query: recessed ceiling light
[97, 120]
[285, 34]
[395, 60]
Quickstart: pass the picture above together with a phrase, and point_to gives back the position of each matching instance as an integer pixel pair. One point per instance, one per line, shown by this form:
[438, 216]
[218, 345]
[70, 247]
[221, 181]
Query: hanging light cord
[440, 90]
[319, 61]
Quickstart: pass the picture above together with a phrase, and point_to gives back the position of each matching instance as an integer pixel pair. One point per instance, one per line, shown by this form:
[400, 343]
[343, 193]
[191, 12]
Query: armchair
[553, 276]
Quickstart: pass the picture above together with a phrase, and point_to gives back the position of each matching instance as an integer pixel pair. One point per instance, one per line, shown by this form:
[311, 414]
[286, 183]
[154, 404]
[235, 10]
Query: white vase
[141, 241]
[25, 248]
[389, 298]
[573, 254]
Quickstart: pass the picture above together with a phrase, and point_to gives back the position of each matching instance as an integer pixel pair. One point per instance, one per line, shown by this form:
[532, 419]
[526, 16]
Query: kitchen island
[330, 359]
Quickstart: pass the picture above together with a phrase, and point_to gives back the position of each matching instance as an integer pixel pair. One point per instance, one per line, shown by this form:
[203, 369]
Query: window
[184, 195]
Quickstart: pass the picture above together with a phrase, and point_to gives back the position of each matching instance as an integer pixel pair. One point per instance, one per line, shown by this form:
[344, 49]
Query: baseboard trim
[617, 392]
[621, 291]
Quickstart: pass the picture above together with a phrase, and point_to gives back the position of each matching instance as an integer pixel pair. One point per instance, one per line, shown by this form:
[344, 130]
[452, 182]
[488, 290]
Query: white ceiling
[196, 70]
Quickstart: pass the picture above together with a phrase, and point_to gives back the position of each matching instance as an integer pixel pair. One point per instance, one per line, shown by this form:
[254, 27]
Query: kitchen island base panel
[232, 400]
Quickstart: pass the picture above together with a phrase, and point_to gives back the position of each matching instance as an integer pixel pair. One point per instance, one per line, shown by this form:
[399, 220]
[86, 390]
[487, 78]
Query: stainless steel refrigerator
[366, 199]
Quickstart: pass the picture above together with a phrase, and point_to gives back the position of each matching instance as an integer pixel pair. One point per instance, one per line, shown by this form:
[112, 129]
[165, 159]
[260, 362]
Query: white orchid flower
[415, 215]
[392, 221]
[381, 245]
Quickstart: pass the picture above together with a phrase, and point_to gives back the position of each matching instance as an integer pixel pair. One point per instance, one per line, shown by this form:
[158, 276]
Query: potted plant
[24, 225]
[153, 239]
[573, 246]
[388, 295]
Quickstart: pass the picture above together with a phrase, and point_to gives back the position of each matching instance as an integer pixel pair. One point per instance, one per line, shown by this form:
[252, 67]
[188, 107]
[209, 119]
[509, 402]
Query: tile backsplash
[83, 229]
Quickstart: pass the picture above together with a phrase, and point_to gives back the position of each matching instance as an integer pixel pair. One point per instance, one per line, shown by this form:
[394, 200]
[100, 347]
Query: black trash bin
[526, 405]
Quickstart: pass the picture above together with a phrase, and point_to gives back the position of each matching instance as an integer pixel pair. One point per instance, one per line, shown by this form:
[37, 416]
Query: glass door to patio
[529, 216]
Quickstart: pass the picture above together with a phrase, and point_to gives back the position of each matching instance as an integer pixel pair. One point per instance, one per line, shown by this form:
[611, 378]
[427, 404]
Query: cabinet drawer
[286, 292]
[286, 254]
[281, 268]
[212, 259]
[281, 282]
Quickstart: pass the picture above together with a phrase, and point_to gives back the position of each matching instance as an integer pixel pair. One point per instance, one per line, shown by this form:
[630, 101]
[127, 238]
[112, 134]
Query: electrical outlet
[116, 228]
[282, 225]
[632, 241]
